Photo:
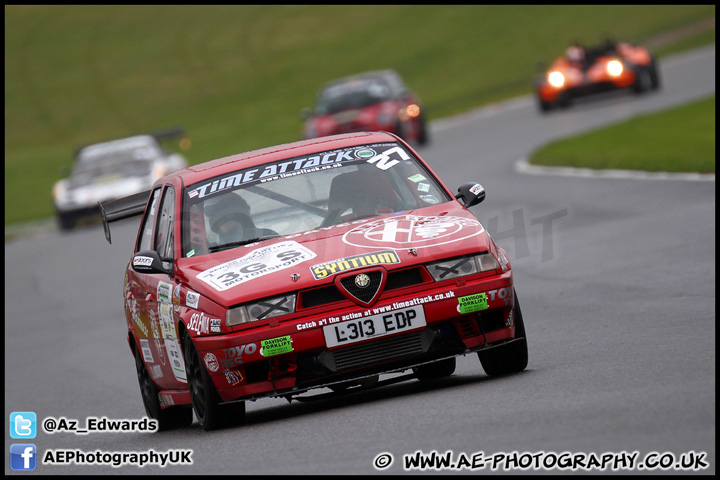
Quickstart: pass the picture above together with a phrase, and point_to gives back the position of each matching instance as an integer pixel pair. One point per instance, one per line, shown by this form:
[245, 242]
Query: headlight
[614, 68]
[411, 111]
[458, 267]
[157, 172]
[556, 79]
[261, 310]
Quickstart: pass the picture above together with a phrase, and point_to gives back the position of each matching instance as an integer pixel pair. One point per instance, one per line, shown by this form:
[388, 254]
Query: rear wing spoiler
[126, 207]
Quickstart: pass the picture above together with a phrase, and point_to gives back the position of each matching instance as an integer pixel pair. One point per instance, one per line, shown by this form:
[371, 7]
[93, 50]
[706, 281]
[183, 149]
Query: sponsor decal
[142, 261]
[212, 362]
[480, 301]
[332, 267]
[276, 346]
[473, 303]
[201, 324]
[233, 377]
[163, 292]
[404, 231]
[365, 153]
[233, 355]
[192, 299]
[169, 334]
[477, 188]
[215, 324]
[166, 400]
[384, 160]
[156, 371]
[379, 310]
[157, 335]
[176, 298]
[259, 262]
[136, 318]
[293, 166]
[146, 351]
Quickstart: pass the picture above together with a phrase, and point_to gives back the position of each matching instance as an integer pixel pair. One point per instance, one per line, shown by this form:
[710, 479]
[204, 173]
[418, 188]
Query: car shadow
[392, 388]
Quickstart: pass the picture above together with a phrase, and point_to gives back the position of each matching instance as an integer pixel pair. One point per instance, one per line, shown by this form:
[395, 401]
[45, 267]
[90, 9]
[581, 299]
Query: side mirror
[148, 261]
[306, 113]
[471, 194]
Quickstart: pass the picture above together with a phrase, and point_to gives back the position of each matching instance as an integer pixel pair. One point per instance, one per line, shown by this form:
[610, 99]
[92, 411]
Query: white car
[111, 170]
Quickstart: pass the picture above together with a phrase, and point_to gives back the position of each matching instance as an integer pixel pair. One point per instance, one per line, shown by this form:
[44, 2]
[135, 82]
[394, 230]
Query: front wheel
[168, 418]
[206, 401]
[510, 358]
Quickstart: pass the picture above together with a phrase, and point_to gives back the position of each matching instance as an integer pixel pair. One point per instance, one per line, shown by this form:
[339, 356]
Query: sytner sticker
[403, 231]
[255, 264]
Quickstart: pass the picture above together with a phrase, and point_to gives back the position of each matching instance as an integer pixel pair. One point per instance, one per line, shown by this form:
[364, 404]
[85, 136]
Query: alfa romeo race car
[111, 170]
[323, 263]
[607, 67]
[370, 101]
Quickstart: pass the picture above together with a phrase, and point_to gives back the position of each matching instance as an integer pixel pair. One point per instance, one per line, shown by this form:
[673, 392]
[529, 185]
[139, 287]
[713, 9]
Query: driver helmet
[230, 207]
[575, 53]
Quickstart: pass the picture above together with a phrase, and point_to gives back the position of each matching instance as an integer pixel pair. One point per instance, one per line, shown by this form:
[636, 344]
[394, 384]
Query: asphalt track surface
[616, 277]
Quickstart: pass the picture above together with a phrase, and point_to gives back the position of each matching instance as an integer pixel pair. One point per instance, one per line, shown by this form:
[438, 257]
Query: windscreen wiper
[225, 246]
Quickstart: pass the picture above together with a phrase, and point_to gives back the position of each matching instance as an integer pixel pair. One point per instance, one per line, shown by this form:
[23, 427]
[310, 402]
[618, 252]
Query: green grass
[236, 76]
[680, 139]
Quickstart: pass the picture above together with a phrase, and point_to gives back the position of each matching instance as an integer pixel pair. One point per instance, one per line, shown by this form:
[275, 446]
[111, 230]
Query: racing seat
[360, 194]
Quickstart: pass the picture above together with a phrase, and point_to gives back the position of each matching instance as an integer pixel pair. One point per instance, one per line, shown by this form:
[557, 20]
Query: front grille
[403, 278]
[329, 294]
[467, 328]
[320, 296]
[364, 294]
[377, 351]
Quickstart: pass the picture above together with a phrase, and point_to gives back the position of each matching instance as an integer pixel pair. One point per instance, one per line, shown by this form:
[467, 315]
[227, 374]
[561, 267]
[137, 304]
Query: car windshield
[120, 164]
[352, 94]
[304, 193]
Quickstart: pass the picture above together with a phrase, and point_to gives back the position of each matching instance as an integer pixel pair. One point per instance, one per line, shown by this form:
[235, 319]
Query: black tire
[510, 358]
[432, 371]
[643, 80]
[423, 137]
[206, 402]
[169, 418]
[544, 106]
[66, 221]
[654, 75]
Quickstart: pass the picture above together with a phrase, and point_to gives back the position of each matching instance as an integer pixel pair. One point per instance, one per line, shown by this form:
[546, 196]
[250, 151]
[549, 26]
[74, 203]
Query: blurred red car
[587, 71]
[370, 101]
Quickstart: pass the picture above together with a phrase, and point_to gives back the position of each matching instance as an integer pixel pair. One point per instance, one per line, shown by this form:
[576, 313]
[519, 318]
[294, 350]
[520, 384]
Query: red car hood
[368, 115]
[312, 258]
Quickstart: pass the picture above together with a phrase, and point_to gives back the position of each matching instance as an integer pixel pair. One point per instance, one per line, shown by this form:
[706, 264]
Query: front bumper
[248, 364]
[547, 93]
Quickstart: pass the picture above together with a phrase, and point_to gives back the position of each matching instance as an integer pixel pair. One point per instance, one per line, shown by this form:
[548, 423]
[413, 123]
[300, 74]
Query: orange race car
[586, 71]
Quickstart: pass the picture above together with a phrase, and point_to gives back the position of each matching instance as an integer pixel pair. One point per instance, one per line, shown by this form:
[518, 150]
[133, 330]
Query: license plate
[374, 326]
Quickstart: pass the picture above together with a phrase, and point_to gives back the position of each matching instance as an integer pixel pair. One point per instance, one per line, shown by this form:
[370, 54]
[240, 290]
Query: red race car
[588, 71]
[320, 263]
[371, 101]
